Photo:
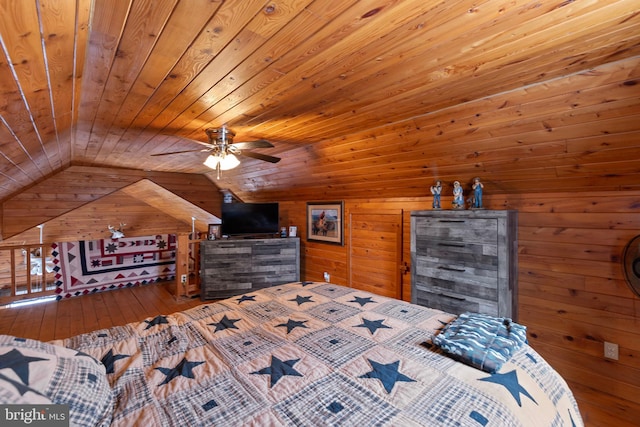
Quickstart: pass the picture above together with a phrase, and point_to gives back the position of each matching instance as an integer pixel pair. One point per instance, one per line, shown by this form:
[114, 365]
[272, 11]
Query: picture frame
[325, 222]
[213, 232]
[293, 231]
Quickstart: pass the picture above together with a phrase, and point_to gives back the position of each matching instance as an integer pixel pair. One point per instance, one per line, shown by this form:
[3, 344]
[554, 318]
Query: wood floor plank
[72, 316]
[47, 328]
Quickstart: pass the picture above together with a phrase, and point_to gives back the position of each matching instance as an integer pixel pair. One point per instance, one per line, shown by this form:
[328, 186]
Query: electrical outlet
[611, 350]
[327, 277]
[183, 278]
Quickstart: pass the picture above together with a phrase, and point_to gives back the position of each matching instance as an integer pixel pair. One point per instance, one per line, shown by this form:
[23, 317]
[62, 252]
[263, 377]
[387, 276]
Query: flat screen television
[250, 218]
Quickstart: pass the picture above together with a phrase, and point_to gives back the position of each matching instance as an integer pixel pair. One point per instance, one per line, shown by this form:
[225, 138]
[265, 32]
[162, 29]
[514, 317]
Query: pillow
[34, 372]
[482, 341]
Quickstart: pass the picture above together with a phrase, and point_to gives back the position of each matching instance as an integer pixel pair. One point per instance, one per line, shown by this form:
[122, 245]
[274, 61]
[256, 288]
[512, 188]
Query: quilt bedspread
[314, 354]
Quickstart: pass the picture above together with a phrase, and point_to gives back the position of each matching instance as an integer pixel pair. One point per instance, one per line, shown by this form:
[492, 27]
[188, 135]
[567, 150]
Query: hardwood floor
[62, 319]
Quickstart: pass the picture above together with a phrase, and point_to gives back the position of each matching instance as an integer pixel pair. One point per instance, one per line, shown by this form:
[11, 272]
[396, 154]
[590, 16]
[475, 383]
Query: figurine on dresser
[477, 193]
[436, 190]
[458, 196]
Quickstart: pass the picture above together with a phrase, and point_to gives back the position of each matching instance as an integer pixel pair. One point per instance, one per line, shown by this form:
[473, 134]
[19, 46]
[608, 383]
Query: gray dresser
[465, 261]
[233, 267]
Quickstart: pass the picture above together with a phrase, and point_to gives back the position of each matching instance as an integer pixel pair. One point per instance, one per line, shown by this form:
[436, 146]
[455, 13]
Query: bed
[299, 354]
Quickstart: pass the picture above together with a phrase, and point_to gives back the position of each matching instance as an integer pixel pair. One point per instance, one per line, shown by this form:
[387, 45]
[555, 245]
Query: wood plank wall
[573, 296]
[572, 292]
[80, 186]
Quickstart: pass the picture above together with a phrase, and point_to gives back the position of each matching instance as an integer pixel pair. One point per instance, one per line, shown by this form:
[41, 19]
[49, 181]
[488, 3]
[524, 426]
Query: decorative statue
[436, 190]
[458, 197]
[116, 234]
[477, 193]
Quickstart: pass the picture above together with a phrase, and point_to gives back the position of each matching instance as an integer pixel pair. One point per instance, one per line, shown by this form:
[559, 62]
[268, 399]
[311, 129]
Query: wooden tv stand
[231, 267]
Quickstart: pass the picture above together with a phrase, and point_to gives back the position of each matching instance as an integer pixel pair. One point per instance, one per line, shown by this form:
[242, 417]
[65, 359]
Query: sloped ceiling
[144, 207]
[356, 96]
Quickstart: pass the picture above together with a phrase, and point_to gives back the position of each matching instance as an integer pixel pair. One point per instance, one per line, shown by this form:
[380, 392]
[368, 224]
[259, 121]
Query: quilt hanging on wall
[88, 266]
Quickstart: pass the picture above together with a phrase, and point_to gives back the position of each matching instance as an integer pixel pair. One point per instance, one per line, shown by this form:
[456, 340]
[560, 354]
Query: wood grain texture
[360, 99]
[232, 267]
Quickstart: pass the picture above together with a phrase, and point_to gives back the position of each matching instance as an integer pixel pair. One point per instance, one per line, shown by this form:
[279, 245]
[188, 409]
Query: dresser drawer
[467, 230]
[453, 303]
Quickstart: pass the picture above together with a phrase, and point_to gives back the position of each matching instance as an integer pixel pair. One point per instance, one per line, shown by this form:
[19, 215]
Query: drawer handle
[455, 245]
[452, 297]
[461, 270]
[451, 220]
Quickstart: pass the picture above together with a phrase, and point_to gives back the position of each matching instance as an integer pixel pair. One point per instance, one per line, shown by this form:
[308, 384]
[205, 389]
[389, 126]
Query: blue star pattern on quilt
[510, 381]
[18, 363]
[158, 320]
[347, 358]
[109, 359]
[182, 369]
[301, 300]
[224, 323]
[20, 387]
[279, 369]
[372, 325]
[292, 324]
[388, 374]
[362, 300]
[244, 298]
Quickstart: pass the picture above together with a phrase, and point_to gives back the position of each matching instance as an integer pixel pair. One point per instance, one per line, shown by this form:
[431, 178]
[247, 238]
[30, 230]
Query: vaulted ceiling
[344, 89]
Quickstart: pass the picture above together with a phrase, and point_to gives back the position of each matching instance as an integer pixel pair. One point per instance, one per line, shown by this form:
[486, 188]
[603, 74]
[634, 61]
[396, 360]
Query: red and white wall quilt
[89, 266]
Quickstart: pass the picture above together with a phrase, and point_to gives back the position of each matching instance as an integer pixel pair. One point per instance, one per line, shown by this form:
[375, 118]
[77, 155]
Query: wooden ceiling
[359, 98]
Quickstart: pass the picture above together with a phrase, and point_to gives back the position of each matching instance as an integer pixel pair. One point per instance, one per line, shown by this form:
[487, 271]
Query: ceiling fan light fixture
[225, 161]
[212, 161]
[228, 161]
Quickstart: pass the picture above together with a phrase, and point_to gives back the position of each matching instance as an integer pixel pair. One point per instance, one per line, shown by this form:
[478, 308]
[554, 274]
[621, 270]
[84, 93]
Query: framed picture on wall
[214, 232]
[325, 222]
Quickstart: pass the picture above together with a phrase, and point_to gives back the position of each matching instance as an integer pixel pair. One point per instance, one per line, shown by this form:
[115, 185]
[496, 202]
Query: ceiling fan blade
[179, 152]
[260, 143]
[259, 156]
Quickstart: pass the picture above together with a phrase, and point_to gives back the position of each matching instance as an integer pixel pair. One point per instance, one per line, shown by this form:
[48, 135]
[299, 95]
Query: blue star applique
[388, 374]
[225, 323]
[362, 300]
[18, 363]
[109, 359]
[244, 298]
[21, 388]
[301, 300]
[158, 320]
[292, 324]
[279, 369]
[182, 369]
[372, 325]
[510, 381]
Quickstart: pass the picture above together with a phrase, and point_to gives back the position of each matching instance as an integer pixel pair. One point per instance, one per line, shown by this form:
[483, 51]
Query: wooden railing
[26, 271]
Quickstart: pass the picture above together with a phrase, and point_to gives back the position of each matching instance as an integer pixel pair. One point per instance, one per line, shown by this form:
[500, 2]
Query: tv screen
[250, 218]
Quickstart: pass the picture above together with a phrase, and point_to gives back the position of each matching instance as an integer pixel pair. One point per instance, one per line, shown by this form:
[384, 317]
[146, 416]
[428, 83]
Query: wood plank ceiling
[110, 82]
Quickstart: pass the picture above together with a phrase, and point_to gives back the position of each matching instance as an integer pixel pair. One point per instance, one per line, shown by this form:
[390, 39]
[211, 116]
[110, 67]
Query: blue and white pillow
[482, 341]
[34, 372]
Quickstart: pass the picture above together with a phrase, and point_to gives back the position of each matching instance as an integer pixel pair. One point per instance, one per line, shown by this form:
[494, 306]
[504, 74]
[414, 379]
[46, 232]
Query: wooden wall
[572, 292]
[77, 195]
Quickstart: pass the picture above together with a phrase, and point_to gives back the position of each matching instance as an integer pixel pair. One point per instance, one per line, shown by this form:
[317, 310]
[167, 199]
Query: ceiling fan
[223, 151]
